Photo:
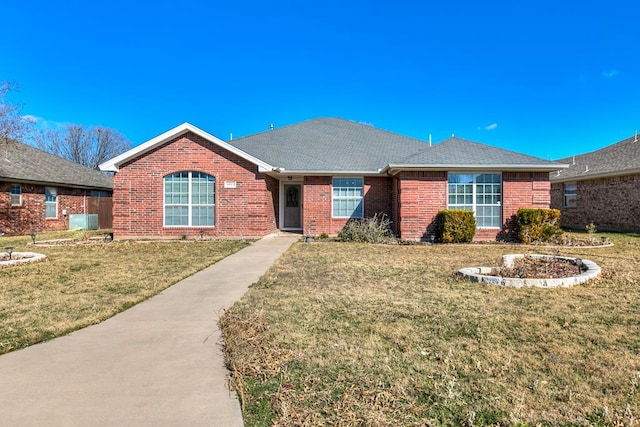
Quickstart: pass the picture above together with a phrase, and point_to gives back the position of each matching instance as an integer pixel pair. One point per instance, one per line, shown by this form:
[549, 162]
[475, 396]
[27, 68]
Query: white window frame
[334, 198]
[190, 205]
[570, 192]
[474, 205]
[14, 194]
[53, 191]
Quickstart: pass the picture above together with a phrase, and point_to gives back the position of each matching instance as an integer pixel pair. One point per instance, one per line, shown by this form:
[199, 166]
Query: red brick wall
[522, 190]
[248, 210]
[612, 204]
[421, 196]
[317, 213]
[30, 214]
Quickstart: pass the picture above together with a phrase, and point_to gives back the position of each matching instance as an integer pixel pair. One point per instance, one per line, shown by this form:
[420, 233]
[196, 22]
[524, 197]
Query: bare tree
[12, 124]
[86, 146]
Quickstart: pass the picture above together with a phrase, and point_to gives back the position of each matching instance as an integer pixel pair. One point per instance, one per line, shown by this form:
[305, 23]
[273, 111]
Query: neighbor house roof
[621, 158]
[23, 163]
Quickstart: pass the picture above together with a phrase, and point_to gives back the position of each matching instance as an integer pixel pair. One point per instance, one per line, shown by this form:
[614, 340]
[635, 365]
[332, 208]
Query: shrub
[455, 226]
[538, 225]
[376, 229]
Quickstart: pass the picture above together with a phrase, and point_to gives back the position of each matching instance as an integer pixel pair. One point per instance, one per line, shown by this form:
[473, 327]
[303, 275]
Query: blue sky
[539, 77]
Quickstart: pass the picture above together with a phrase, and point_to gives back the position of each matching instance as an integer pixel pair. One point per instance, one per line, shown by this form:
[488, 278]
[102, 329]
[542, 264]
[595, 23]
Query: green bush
[538, 225]
[455, 226]
[376, 229]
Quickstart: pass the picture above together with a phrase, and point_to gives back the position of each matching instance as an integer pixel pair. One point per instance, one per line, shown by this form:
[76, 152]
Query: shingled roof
[23, 163]
[329, 145]
[621, 158]
[338, 146]
[455, 153]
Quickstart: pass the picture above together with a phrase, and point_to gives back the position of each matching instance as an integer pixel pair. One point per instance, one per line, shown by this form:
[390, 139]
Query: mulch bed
[538, 268]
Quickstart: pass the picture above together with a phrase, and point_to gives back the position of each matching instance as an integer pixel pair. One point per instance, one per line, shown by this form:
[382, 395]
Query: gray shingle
[617, 159]
[328, 145]
[462, 152]
[23, 163]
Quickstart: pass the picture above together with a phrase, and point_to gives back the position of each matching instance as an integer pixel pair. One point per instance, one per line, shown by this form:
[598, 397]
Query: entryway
[291, 206]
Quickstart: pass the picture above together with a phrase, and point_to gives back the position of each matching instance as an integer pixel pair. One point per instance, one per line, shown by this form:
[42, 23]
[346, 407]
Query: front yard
[85, 284]
[354, 334]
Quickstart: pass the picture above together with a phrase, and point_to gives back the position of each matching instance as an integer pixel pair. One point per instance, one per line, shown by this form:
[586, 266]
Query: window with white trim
[16, 195]
[189, 199]
[348, 195]
[570, 195]
[480, 193]
[50, 202]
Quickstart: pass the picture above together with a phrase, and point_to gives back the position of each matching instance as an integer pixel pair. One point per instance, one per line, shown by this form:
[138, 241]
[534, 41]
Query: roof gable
[621, 158]
[114, 164]
[23, 163]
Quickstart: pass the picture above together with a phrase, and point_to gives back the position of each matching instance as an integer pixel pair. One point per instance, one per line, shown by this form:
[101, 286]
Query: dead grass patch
[81, 285]
[356, 334]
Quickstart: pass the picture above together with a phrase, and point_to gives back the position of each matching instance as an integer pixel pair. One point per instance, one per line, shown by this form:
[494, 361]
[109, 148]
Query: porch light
[9, 250]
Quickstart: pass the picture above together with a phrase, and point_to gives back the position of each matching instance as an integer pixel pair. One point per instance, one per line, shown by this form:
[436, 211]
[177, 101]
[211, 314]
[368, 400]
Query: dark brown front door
[292, 206]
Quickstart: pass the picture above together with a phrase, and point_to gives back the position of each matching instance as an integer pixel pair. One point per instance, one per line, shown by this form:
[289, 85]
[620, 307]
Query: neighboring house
[313, 177]
[601, 187]
[40, 191]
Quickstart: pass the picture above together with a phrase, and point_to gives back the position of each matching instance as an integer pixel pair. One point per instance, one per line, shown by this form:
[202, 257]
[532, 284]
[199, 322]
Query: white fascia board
[284, 172]
[395, 168]
[113, 165]
[554, 178]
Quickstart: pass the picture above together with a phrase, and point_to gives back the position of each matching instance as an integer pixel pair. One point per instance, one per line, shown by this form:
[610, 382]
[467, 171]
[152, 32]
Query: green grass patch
[356, 334]
[85, 284]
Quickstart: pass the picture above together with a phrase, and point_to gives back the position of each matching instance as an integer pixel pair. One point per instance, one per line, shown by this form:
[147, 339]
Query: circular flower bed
[544, 271]
[17, 258]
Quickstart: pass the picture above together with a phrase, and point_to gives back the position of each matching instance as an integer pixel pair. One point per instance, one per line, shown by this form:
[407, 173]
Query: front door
[292, 206]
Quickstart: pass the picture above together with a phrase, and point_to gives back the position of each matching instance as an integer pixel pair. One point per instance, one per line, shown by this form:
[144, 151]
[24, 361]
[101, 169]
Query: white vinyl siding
[348, 195]
[480, 193]
[50, 202]
[189, 200]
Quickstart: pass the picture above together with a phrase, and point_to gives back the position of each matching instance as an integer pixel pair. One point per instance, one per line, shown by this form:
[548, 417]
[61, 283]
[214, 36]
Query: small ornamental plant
[455, 226]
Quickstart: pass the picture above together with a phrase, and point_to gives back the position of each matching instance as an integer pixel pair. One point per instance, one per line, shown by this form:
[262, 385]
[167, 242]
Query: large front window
[480, 193]
[50, 202]
[348, 197]
[189, 200]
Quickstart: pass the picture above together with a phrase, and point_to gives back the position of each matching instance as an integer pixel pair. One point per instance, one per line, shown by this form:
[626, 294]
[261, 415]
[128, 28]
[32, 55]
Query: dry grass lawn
[372, 335]
[86, 284]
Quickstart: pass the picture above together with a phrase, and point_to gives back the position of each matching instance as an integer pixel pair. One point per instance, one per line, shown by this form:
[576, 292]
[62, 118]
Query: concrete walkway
[156, 364]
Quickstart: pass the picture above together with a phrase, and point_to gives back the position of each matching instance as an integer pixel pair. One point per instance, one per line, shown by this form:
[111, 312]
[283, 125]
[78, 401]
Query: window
[347, 198]
[189, 200]
[480, 193]
[16, 195]
[50, 202]
[570, 199]
[99, 193]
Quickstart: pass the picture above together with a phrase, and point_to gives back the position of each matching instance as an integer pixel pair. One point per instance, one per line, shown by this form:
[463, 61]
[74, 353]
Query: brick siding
[30, 215]
[423, 194]
[612, 204]
[249, 209]
[317, 209]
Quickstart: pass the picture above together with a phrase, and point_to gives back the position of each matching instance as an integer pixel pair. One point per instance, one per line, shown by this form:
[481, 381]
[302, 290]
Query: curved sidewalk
[157, 364]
